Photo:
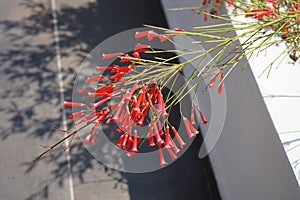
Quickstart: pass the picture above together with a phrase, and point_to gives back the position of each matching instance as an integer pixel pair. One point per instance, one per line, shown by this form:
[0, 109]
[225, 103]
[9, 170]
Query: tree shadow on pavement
[31, 103]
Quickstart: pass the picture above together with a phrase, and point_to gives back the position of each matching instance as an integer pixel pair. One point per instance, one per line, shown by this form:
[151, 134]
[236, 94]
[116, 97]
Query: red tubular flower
[150, 103]
[83, 90]
[187, 128]
[94, 78]
[123, 119]
[128, 97]
[177, 30]
[141, 48]
[159, 126]
[263, 13]
[204, 121]
[230, 2]
[152, 34]
[83, 119]
[193, 115]
[108, 120]
[102, 117]
[141, 34]
[120, 141]
[118, 111]
[136, 55]
[154, 93]
[76, 114]
[111, 55]
[157, 136]
[203, 2]
[87, 138]
[73, 104]
[144, 113]
[94, 138]
[179, 139]
[101, 102]
[161, 157]
[205, 16]
[135, 141]
[174, 146]
[220, 87]
[103, 68]
[107, 89]
[161, 105]
[213, 80]
[143, 102]
[119, 108]
[150, 135]
[194, 131]
[115, 68]
[129, 142]
[271, 1]
[136, 111]
[98, 94]
[117, 76]
[125, 140]
[168, 137]
[127, 58]
[171, 153]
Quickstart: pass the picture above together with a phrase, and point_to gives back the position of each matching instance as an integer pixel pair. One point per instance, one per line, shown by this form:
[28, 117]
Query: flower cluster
[282, 17]
[125, 97]
[140, 103]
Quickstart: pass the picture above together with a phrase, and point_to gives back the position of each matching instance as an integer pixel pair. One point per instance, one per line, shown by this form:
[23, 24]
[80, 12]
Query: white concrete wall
[248, 160]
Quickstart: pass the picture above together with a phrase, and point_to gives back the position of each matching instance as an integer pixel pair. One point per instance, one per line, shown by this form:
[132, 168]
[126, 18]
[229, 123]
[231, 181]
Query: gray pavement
[30, 106]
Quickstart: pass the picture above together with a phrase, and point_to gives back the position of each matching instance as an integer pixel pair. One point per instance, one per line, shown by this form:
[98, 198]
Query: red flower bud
[105, 89]
[205, 16]
[194, 131]
[204, 121]
[135, 141]
[76, 114]
[141, 47]
[141, 34]
[120, 141]
[83, 90]
[213, 80]
[103, 68]
[94, 78]
[127, 58]
[157, 136]
[73, 104]
[168, 137]
[193, 115]
[117, 76]
[220, 87]
[87, 138]
[101, 102]
[150, 135]
[111, 55]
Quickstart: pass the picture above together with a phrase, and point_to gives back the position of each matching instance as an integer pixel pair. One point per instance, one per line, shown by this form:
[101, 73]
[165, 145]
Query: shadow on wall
[30, 67]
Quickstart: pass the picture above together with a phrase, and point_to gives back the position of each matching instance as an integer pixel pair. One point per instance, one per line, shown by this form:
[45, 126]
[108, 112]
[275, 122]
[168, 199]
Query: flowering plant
[134, 90]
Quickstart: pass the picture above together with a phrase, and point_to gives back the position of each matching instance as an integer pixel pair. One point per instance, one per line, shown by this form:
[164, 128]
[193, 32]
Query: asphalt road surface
[31, 82]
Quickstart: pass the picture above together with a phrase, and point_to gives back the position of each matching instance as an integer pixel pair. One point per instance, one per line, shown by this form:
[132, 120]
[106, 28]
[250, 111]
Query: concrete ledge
[249, 161]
